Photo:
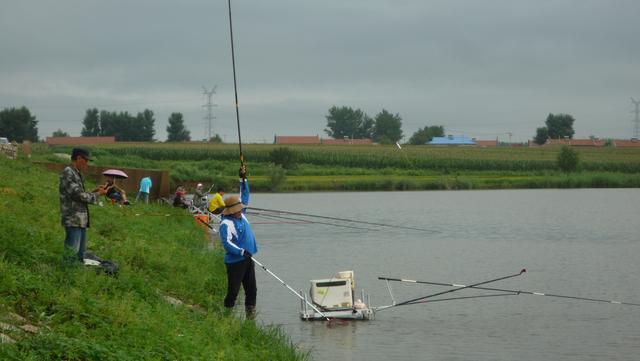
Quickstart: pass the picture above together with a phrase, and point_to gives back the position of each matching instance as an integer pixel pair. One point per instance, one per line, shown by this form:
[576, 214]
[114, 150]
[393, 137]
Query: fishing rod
[459, 288]
[290, 289]
[517, 292]
[342, 219]
[235, 86]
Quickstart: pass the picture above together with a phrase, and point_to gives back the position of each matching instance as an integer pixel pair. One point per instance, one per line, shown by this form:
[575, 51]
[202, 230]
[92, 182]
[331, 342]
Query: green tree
[119, 125]
[176, 131]
[122, 125]
[60, 133]
[91, 123]
[18, 124]
[560, 126]
[542, 134]
[568, 159]
[387, 128]
[347, 122]
[144, 125]
[216, 139]
[426, 134]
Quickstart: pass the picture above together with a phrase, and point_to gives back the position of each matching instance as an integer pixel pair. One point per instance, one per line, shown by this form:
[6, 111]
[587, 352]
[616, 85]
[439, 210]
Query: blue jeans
[75, 244]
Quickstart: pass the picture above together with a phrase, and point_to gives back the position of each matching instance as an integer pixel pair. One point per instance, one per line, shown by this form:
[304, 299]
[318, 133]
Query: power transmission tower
[209, 118]
[636, 121]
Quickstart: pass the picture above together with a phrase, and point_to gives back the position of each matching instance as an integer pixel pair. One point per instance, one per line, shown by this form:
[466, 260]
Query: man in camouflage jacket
[74, 201]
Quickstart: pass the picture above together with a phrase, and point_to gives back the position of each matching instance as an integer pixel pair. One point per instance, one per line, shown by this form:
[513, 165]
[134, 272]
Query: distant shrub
[568, 159]
[277, 177]
[284, 157]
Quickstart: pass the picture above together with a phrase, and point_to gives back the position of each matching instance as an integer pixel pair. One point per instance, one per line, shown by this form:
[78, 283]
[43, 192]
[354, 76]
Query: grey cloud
[488, 67]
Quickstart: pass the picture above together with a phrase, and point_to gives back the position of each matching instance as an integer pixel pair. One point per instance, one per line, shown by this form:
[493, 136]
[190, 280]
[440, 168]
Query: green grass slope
[79, 314]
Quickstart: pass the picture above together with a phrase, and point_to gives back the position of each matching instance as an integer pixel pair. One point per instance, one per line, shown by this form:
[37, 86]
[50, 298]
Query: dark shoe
[250, 312]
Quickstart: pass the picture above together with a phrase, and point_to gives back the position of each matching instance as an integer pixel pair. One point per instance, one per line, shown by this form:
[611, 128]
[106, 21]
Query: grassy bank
[81, 315]
[314, 168]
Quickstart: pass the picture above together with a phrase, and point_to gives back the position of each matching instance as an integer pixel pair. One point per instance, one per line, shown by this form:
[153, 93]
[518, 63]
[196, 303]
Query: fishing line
[343, 220]
[519, 292]
[458, 298]
[314, 222]
[235, 86]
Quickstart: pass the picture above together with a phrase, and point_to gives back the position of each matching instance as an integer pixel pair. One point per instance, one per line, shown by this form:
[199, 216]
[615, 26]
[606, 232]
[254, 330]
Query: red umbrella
[115, 173]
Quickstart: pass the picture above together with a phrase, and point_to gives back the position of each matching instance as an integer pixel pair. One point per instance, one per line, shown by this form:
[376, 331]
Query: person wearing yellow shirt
[217, 204]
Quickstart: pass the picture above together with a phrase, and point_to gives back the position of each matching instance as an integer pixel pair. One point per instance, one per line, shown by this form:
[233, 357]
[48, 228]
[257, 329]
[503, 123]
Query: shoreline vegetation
[308, 168]
[165, 304]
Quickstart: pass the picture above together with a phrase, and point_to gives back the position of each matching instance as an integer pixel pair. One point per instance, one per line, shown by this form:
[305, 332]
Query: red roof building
[618, 143]
[364, 141]
[314, 139]
[487, 143]
[291, 139]
[79, 140]
[577, 142]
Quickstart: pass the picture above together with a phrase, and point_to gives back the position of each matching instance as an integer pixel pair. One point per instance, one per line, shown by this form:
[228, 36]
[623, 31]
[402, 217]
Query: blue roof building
[452, 140]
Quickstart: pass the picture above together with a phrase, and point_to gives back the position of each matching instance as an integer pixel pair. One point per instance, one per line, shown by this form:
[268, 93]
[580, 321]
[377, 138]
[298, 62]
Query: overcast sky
[481, 68]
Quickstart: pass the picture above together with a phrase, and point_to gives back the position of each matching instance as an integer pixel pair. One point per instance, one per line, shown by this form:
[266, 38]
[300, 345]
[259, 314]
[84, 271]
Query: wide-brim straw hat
[233, 204]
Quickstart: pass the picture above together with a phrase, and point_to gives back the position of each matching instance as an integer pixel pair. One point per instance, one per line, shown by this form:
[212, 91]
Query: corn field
[441, 159]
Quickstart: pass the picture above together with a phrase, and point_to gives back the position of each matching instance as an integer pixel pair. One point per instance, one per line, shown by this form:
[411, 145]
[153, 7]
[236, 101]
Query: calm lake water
[573, 242]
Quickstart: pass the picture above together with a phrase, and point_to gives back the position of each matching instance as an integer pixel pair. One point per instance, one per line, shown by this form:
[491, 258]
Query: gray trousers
[144, 195]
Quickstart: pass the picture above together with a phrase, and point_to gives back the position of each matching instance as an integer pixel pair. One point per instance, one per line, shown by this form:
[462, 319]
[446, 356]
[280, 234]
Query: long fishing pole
[235, 86]
[342, 219]
[460, 287]
[518, 292]
[290, 289]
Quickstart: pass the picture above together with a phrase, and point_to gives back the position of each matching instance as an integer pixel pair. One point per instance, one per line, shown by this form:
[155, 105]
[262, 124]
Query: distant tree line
[122, 125]
[384, 128]
[19, 125]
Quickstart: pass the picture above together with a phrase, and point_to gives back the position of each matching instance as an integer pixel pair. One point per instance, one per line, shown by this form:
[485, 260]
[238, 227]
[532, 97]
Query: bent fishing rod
[235, 86]
[514, 292]
[346, 220]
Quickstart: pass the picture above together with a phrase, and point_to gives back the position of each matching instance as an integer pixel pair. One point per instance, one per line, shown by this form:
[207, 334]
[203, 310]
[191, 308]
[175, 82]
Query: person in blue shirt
[239, 244]
[145, 187]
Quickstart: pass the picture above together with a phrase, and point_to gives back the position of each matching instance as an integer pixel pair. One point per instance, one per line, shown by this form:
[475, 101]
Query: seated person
[178, 198]
[217, 204]
[115, 193]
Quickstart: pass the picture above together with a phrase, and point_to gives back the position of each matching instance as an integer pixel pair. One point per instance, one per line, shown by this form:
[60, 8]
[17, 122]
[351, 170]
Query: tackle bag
[104, 265]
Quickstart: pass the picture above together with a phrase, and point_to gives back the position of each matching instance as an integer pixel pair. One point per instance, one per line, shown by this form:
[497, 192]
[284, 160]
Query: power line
[209, 118]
